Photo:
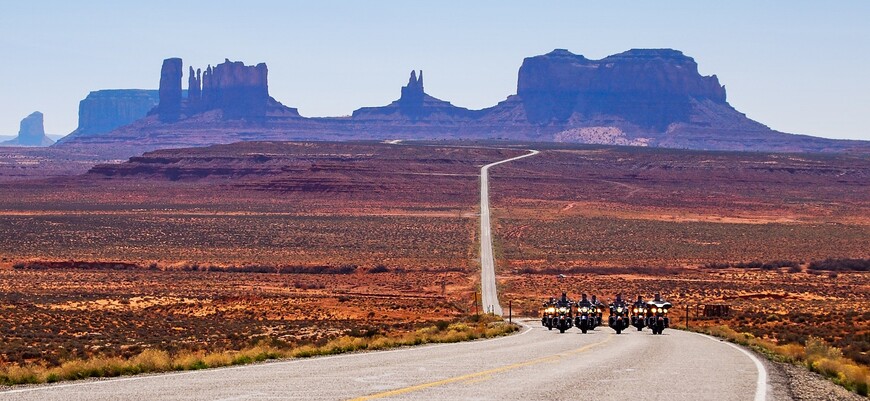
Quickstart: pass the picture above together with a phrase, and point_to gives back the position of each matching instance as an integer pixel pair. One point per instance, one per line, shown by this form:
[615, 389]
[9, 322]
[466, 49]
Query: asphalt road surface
[488, 290]
[536, 364]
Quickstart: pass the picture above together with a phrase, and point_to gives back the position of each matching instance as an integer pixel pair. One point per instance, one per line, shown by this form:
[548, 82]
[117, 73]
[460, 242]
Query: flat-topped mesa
[650, 88]
[241, 91]
[104, 110]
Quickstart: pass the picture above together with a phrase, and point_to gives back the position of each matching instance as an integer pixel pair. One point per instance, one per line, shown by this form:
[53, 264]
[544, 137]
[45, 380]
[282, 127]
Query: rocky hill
[415, 105]
[30, 133]
[641, 97]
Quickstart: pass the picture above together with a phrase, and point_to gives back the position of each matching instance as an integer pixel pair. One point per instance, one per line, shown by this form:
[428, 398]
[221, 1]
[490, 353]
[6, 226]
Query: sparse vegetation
[835, 265]
[151, 360]
[816, 354]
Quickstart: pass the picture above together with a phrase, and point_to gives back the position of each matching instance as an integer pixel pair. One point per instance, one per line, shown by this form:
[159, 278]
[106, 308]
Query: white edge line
[761, 381]
[273, 363]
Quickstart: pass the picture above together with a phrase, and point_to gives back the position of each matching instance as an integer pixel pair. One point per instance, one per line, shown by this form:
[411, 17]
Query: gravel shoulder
[790, 382]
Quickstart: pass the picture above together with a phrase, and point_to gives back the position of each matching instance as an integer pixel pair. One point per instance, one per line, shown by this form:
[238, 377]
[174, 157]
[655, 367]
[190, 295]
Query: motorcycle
[562, 320]
[599, 314]
[585, 319]
[547, 316]
[657, 315]
[638, 316]
[618, 320]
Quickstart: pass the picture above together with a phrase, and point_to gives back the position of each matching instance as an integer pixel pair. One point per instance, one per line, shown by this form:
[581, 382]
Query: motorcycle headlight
[665, 311]
[619, 309]
[583, 309]
[551, 310]
[562, 310]
[660, 310]
[598, 310]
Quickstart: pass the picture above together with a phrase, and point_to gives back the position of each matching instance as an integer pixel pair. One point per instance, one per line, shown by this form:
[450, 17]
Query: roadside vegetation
[155, 361]
[816, 354]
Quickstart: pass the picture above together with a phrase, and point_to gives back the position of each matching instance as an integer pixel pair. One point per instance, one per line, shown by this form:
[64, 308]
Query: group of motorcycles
[586, 314]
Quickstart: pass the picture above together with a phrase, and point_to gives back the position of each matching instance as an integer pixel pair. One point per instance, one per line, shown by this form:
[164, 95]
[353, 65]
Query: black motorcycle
[599, 314]
[547, 316]
[562, 319]
[586, 316]
[638, 316]
[618, 320]
[657, 315]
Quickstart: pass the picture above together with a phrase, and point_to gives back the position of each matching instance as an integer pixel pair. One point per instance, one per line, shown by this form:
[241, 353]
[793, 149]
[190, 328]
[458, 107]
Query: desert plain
[220, 247]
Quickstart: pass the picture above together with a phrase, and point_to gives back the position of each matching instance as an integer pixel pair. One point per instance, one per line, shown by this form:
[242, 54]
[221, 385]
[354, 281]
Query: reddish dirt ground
[610, 219]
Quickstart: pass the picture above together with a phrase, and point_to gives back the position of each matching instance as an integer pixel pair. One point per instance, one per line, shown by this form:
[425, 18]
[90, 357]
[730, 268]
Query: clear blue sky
[797, 66]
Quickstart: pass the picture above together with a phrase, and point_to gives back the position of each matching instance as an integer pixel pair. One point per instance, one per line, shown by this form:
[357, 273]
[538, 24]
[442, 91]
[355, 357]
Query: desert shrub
[861, 265]
[748, 265]
[644, 270]
[217, 359]
[189, 361]
[152, 360]
[379, 269]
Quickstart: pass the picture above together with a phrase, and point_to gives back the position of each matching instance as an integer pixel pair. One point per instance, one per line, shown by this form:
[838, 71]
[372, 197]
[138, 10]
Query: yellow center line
[476, 375]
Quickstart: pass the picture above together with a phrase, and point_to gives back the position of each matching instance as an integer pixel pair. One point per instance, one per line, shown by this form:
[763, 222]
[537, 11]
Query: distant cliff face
[650, 88]
[31, 132]
[104, 110]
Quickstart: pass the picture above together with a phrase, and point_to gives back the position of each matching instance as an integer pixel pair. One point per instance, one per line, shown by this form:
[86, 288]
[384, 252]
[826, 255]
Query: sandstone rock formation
[104, 110]
[31, 132]
[649, 88]
[414, 105]
[237, 91]
[194, 87]
[169, 108]
[240, 91]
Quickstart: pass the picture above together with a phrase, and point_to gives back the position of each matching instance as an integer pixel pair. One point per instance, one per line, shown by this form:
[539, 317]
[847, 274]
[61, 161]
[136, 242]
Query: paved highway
[488, 290]
[536, 364]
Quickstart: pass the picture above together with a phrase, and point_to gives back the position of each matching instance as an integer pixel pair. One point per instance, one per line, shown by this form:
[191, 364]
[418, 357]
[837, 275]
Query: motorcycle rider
[638, 317]
[583, 301]
[599, 307]
[564, 301]
[639, 303]
[658, 314]
[618, 315]
[618, 301]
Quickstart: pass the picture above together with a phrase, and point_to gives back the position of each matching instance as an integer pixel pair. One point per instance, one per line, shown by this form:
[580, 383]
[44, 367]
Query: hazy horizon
[796, 68]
